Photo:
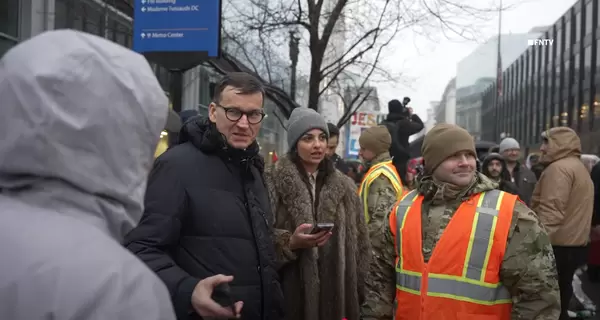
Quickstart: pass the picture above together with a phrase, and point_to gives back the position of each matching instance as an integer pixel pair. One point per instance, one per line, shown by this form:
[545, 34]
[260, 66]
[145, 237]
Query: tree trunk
[314, 83]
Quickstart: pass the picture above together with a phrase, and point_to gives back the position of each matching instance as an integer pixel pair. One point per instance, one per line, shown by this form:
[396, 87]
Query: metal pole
[499, 80]
[294, 53]
[176, 90]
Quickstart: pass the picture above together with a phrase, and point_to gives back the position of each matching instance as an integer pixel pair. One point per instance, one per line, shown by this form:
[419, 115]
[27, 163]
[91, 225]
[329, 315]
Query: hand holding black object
[302, 239]
[212, 298]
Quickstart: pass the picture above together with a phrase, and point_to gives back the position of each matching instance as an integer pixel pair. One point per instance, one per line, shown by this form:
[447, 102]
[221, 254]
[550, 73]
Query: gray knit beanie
[301, 121]
[508, 143]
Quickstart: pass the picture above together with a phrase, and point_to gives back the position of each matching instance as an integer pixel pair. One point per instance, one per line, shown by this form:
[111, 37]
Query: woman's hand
[301, 239]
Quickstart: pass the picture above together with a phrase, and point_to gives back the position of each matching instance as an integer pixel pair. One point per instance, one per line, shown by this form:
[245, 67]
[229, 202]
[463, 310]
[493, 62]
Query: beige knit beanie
[376, 139]
[443, 141]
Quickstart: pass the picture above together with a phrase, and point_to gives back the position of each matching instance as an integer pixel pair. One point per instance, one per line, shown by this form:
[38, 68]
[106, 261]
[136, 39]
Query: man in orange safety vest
[457, 248]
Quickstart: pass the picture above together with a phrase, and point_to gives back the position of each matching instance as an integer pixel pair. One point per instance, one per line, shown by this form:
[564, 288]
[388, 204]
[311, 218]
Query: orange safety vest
[461, 280]
[386, 169]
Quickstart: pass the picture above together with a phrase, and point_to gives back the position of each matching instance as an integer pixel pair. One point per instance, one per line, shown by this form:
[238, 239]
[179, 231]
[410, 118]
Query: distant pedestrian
[520, 175]
[494, 167]
[564, 201]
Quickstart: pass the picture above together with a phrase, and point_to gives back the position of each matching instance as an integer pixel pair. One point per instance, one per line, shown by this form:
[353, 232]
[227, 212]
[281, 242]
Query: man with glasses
[207, 214]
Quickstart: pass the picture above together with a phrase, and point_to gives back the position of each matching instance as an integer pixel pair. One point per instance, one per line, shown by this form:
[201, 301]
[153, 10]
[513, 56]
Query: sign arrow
[143, 35]
[143, 9]
[143, 1]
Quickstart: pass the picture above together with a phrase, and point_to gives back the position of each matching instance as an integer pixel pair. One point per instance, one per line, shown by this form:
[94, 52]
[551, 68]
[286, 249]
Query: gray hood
[80, 118]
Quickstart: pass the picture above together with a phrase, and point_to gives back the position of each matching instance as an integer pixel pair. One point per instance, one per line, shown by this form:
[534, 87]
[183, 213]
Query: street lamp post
[294, 53]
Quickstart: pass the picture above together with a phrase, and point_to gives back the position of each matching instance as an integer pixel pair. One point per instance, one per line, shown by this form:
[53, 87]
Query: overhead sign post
[177, 34]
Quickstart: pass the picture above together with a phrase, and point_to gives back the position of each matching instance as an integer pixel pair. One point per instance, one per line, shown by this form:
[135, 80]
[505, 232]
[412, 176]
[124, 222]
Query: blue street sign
[177, 26]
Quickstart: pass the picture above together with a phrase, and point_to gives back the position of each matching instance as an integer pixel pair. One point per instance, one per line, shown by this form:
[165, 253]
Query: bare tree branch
[366, 28]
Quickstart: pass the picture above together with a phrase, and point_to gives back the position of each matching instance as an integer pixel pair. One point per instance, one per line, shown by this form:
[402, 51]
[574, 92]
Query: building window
[551, 50]
[110, 30]
[568, 34]
[6, 44]
[597, 53]
[9, 17]
[585, 108]
[534, 127]
[558, 48]
[596, 112]
[542, 57]
[91, 27]
[577, 28]
[589, 13]
[587, 58]
[121, 34]
[564, 115]
[575, 116]
[573, 77]
[61, 14]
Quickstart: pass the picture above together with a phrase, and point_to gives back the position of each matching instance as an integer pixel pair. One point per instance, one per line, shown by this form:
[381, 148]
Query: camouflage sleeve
[380, 284]
[380, 201]
[529, 268]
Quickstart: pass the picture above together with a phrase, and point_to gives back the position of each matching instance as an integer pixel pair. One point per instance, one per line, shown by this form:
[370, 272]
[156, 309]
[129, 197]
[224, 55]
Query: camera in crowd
[399, 108]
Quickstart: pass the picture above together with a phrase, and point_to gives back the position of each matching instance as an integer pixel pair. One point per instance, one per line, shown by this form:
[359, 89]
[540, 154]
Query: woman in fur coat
[322, 274]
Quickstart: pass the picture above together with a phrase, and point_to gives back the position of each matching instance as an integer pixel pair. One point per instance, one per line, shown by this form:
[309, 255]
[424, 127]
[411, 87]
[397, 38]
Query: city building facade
[9, 24]
[478, 70]
[445, 112]
[430, 122]
[112, 19]
[557, 84]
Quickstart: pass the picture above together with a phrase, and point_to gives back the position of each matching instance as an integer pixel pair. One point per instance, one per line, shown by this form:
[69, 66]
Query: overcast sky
[434, 64]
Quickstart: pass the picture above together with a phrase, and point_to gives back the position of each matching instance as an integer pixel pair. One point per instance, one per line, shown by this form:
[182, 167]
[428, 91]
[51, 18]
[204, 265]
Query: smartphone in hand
[323, 226]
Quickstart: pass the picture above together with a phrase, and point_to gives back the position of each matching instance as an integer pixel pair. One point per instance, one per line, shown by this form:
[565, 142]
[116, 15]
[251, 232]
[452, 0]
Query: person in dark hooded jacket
[494, 167]
[207, 211]
[402, 123]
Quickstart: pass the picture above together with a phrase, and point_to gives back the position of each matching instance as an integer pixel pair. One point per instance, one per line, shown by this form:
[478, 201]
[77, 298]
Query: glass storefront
[9, 24]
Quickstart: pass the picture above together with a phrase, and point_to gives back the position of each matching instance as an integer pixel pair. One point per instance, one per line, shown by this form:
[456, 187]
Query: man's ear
[212, 112]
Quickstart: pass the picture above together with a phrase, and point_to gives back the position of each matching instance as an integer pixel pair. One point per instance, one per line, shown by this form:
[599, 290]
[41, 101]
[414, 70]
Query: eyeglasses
[234, 114]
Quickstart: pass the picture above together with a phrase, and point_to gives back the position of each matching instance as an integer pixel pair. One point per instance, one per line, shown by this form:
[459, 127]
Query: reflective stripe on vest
[469, 287]
[383, 168]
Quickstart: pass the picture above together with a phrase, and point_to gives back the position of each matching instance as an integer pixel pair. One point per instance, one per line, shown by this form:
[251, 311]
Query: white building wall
[450, 111]
[430, 121]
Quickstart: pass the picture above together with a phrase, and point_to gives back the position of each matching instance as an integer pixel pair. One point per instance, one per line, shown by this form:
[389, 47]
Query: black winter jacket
[207, 212]
[401, 128]
[505, 184]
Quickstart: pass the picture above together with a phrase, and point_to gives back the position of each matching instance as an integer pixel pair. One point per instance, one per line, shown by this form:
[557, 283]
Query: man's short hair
[244, 82]
[334, 131]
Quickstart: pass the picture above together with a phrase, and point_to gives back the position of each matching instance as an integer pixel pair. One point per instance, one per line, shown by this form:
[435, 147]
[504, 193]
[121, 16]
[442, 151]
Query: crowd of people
[94, 230]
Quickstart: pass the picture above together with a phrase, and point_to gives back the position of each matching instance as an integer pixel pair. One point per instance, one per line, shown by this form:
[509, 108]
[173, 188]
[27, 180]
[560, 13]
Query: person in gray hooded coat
[80, 119]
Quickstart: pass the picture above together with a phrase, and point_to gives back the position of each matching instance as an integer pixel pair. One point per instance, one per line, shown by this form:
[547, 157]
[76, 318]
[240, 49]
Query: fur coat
[325, 283]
